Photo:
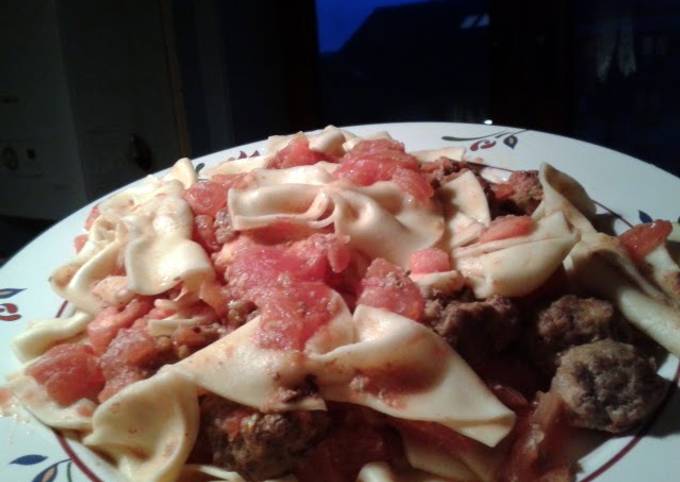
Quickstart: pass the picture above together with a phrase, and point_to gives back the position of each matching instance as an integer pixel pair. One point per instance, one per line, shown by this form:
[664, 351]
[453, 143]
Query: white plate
[626, 185]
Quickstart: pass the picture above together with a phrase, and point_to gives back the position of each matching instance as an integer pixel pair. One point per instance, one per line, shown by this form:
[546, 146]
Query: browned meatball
[258, 445]
[474, 328]
[443, 170]
[607, 385]
[527, 193]
[572, 321]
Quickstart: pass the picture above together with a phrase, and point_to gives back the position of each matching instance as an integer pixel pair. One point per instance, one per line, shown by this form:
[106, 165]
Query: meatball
[258, 445]
[474, 328]
[520, 194]
[572, 321]
[607, 385]
[443, 170]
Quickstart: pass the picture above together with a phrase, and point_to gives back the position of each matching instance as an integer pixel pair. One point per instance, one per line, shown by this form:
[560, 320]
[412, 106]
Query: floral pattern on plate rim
[9, 311]
[488, 141]
[46, 474]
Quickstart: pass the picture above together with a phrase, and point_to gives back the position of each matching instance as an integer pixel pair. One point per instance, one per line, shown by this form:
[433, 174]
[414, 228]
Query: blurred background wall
[94, 94]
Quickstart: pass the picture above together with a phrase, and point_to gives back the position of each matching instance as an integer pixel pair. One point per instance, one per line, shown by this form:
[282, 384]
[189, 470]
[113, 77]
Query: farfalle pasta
[338, 309]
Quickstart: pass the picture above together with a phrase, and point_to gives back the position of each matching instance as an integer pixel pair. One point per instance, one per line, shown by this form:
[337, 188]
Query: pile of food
[340, 309]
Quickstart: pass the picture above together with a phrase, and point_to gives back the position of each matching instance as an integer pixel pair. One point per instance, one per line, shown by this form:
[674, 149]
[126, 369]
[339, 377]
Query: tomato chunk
[364, 172]
[387, 286]
[257, 266]
[296, 153]
[280, 232]
[132, 355]
[507, 227]
[92, 217]
[414, 183]
[204, 233]
[642, 239]
[430, 260]
[79, 241]
[371, 161]
[288, 284]
[206, 197]
[329, 250]
[68, 372]
[291, 315]
[106, 324]
[383, 150]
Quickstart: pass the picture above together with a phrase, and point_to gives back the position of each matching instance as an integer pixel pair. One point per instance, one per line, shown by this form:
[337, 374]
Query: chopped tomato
[329, 249]
[68, 372]
[206, 197]
[132, 355]
[642, 239]
[507, 227]
[123, 378]
[430, 260]
[364, 172]
[383, 160]
[79, 241]
[106, 324]
[414, 183]
[258, 266]
[280, 232]
[387, 286]
[288, 284]
[255, 267]
[385, 150]
[204, 233]
[92, 217]
[296, 153]
[292, 314]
